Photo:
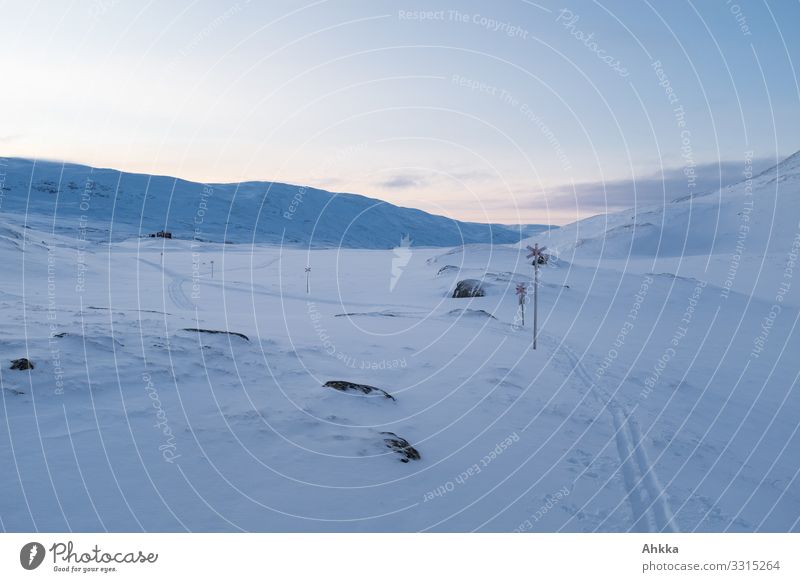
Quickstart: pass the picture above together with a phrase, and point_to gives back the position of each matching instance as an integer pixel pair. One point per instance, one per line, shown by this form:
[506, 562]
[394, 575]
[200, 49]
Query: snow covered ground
[659, 399]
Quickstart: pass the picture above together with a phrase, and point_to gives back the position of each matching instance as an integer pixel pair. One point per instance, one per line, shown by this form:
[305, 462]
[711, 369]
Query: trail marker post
[308, 276]
[212, 269]
[539, 257]
[521, 292]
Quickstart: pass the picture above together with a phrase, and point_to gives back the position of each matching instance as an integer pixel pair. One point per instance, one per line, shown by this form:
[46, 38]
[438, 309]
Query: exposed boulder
[22, 364]
[384, 313]
[469, 288]
[344, 386]
[446, 269]
[471, 313]
[199, 330]
[401, 446]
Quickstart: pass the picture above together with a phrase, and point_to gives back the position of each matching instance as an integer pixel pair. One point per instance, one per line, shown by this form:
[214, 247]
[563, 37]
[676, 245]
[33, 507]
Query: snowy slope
[763, 210]
[743, 238]
[129, 422]
[663, 395]
[118, 205]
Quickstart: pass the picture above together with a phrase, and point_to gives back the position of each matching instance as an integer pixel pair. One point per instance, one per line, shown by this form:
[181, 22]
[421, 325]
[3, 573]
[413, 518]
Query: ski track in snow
[178, 296]
[175, 286]
[640, 478]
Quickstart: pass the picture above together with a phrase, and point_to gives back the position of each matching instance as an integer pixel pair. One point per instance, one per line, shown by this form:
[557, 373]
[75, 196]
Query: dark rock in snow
[471, 312]
[344, 386]
[199, 330]
[22, 364]
[384, 313]
[446, 269]
[469, 288]
[402, 446]
[501, 276]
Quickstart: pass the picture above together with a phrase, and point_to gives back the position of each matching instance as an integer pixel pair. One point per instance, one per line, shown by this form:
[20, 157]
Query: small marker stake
[308, 276]
[521, 292]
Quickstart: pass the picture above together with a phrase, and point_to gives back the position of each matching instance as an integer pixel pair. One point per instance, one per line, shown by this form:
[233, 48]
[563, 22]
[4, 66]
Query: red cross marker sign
[536, 251]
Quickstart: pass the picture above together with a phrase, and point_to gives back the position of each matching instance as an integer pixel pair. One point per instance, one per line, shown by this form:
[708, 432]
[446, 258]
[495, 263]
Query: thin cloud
[651, 189]
[402, 182]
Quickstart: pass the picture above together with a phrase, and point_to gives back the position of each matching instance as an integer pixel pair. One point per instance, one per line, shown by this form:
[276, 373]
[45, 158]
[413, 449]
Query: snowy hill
[753, 216]
[743, 238]
[118, 205]
[182, 386]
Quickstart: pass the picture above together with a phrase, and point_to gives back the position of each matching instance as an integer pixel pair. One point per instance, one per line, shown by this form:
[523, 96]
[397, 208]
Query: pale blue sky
[481, 111]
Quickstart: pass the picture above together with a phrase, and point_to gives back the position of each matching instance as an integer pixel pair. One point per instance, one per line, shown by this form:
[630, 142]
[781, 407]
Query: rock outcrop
[401, 446]
[469, 288]
[344, 386]
[22, 364]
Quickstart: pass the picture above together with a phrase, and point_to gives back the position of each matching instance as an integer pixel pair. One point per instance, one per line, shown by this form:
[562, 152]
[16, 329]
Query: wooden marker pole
[538, 255]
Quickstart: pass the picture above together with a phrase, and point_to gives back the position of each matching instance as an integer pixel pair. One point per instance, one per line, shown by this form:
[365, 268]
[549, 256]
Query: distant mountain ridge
[105, 204]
